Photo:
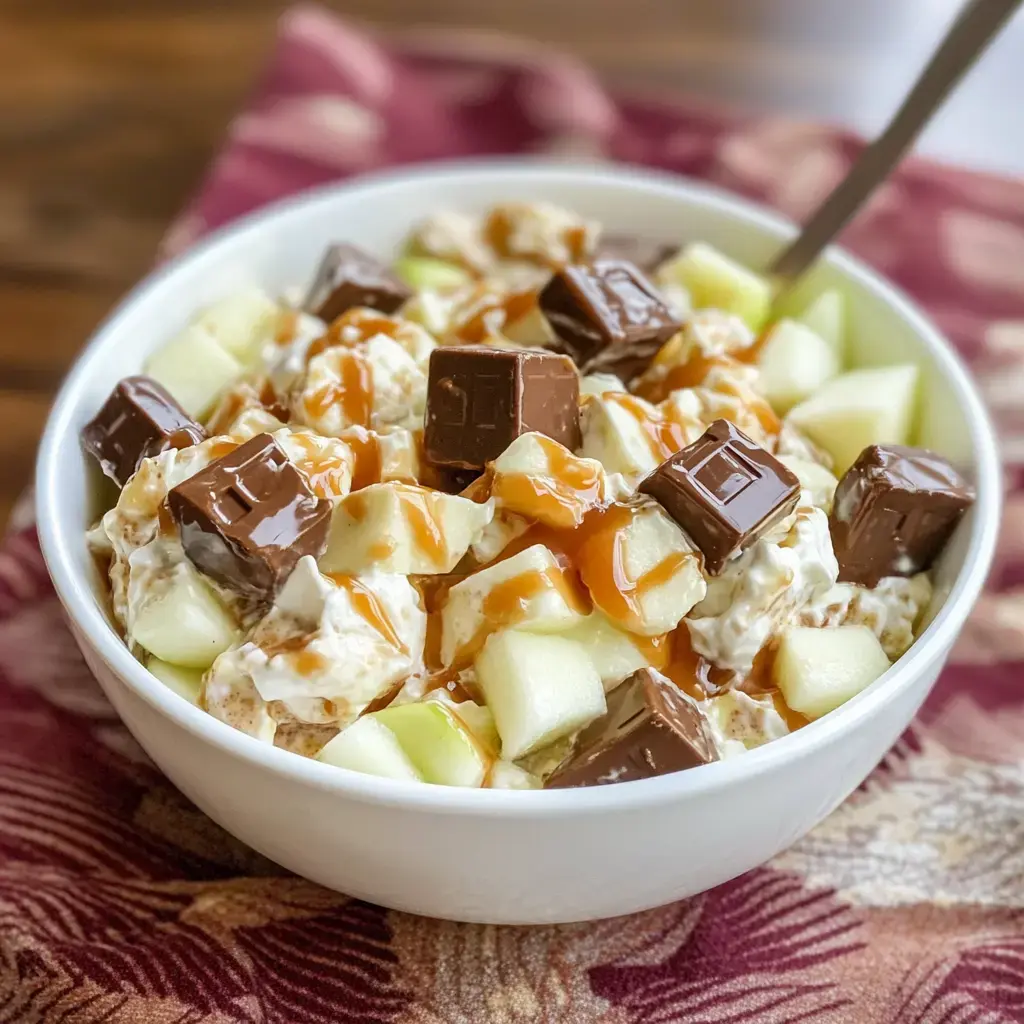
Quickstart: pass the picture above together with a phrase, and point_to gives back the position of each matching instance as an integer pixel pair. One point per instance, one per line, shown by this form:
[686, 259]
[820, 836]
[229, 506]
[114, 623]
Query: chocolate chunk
[479, 400]
[349, 277]
[247, 518]
[724, 491]
[609, 304]
[894, 511]
[646, 253]
[139, 420]
[651, 728]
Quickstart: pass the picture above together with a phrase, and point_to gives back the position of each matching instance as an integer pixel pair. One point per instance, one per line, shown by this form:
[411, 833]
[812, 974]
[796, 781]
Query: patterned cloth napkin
[119, 901]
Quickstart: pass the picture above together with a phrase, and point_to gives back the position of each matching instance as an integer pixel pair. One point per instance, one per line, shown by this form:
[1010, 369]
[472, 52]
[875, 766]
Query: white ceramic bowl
[486, 855]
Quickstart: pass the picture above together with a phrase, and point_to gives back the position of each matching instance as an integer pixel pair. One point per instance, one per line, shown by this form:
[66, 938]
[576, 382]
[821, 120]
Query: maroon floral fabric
[119, 901]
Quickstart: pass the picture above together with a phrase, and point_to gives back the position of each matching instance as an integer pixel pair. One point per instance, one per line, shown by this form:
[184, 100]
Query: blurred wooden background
[110, 109]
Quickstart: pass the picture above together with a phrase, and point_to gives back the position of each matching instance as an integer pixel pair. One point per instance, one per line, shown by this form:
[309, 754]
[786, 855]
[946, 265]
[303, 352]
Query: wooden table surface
[110, 109]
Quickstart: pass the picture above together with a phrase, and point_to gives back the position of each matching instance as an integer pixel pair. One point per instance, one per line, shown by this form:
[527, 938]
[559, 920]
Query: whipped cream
[329, 646]
[762, 590]
[891, 610]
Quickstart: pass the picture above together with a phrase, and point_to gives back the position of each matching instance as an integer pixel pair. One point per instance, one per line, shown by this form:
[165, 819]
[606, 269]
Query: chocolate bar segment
[603, 306]
[651, 728]
[479, 400]
[249, 517]
[139, 420]
[724, 491]
[349, 277]
[894, 511]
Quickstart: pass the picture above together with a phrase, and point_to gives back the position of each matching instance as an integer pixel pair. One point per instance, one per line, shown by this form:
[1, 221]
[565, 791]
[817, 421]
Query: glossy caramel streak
[353, 391]
[370, 608]
[365, 446]
[493, 314]
[560, 496]
[664, 437]
[325, 471]
[421, 509]
[507, 604]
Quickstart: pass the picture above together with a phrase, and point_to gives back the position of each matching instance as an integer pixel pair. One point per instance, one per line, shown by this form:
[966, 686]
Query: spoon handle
[970, 33]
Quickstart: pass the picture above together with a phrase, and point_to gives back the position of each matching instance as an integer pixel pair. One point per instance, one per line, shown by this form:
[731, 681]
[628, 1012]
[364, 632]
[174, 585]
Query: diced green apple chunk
[370, 747]
[539, 687]
[425, 272]
[183, 621]
[859, 409]
[612, 650]
[194, 369]
[185, 682]
[714, 281]
[242, 322]
[817, 670]
[794, 363]
[438, 743]
[480, 722]
[826, 316]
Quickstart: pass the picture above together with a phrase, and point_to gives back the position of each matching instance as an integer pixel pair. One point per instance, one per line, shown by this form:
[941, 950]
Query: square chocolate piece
[479, 400]
[248, 518]
[894, 511]
[139, 420]
[349, 277]
[724, 491]
[651, 728]
[609, 304]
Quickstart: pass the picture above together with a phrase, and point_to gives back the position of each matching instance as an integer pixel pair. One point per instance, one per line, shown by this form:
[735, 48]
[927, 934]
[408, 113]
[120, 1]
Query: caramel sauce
[594, 553]
[235, 401]
[383, 700]
[576, 243]
[448, 680]
[433, 592]
[665, 437]
[371, 609]
[507, 604]
[690, 374]
[365, 446]
[577, 487]
[420, 510]
[269, 400]
[353, 391]
[165, 524]
[306, 662]
[287, 327]
[493, 314]
[353, 327]
[497, 231]
[220, 447]
[600, 559]
[325, 471]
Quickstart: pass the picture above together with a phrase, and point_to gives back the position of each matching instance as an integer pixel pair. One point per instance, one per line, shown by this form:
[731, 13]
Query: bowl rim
[57, 532]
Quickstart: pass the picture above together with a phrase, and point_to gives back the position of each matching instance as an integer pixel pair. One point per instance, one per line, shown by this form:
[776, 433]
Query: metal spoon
[974, 28]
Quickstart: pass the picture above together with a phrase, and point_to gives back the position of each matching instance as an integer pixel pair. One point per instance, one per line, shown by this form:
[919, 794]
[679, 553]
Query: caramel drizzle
[366, 450]
[420, 508]
[494, 313]
[353, 391]
[664, 437]
[287, 327]
[507, 604]
[497, 233]
[371, 609]
[560, 496]
[325, 471]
